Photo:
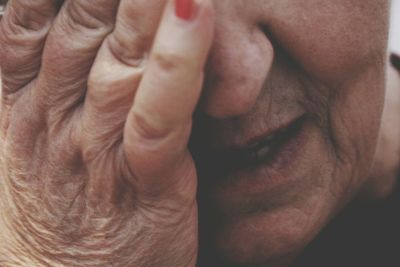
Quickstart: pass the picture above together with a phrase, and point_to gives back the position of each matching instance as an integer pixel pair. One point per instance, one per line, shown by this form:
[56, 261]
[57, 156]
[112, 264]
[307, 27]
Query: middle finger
[118, 69]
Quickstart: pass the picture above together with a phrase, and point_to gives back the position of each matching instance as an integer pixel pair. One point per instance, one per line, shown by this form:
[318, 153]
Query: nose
[238, 66]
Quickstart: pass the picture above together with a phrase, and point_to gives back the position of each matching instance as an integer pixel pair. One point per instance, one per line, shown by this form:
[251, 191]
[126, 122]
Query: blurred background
[395, 27]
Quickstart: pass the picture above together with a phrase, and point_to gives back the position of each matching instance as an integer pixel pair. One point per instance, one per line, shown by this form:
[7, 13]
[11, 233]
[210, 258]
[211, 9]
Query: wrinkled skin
[96, 119]
[95, 166]
[314, 61]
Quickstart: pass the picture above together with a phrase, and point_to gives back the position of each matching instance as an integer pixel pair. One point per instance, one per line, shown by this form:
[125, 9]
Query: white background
[395, 27]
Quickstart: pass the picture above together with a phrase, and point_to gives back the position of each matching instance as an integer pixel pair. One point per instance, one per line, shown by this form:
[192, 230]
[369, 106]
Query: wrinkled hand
[96, 114]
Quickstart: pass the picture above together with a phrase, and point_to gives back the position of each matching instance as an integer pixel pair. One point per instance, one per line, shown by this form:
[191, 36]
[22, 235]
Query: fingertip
[184, 37]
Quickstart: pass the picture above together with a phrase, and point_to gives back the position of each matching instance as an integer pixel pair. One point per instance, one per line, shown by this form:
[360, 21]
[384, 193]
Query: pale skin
[96, 116]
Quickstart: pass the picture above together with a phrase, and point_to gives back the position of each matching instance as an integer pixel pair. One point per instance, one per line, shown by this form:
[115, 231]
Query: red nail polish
[184, 9]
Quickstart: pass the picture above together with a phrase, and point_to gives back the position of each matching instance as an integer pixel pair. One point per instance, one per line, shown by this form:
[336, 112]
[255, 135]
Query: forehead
[326, 35]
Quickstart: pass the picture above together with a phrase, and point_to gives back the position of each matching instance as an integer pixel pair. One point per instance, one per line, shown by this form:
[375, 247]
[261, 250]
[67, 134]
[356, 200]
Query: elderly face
[288, 123]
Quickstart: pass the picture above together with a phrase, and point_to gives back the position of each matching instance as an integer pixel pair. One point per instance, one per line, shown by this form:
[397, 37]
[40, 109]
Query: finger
[70, 50]
[158, 125]
[112, 84]
[118, 69]
[140, 19]
[23, 32]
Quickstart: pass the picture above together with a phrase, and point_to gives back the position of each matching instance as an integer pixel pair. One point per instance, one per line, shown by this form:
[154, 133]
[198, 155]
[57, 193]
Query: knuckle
[109, 82]
[170, 61]
[103, 97]
[148, 128]
[131, 50]
[169, 213]
[83, 14]
[27, 17]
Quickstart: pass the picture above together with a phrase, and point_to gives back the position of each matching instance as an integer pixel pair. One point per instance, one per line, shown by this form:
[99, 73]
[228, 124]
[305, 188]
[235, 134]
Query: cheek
[331, 40]
[355, 114]
[342, 45]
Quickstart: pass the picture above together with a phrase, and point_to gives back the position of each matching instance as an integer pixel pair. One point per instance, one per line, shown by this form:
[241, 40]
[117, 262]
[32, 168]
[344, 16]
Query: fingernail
[184, 9]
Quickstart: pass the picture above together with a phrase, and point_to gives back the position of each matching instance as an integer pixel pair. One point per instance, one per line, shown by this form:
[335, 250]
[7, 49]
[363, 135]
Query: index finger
[159, 123]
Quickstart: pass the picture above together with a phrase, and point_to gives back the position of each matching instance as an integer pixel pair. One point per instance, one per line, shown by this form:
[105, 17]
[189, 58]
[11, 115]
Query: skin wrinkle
[37, 222]
[346, 161]
[135, 62]
[10, 84]
[315, 98]
[43, 233]
[332, 139]
[72, 253]
[32, 24]
[24, 41]
[74, 206]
